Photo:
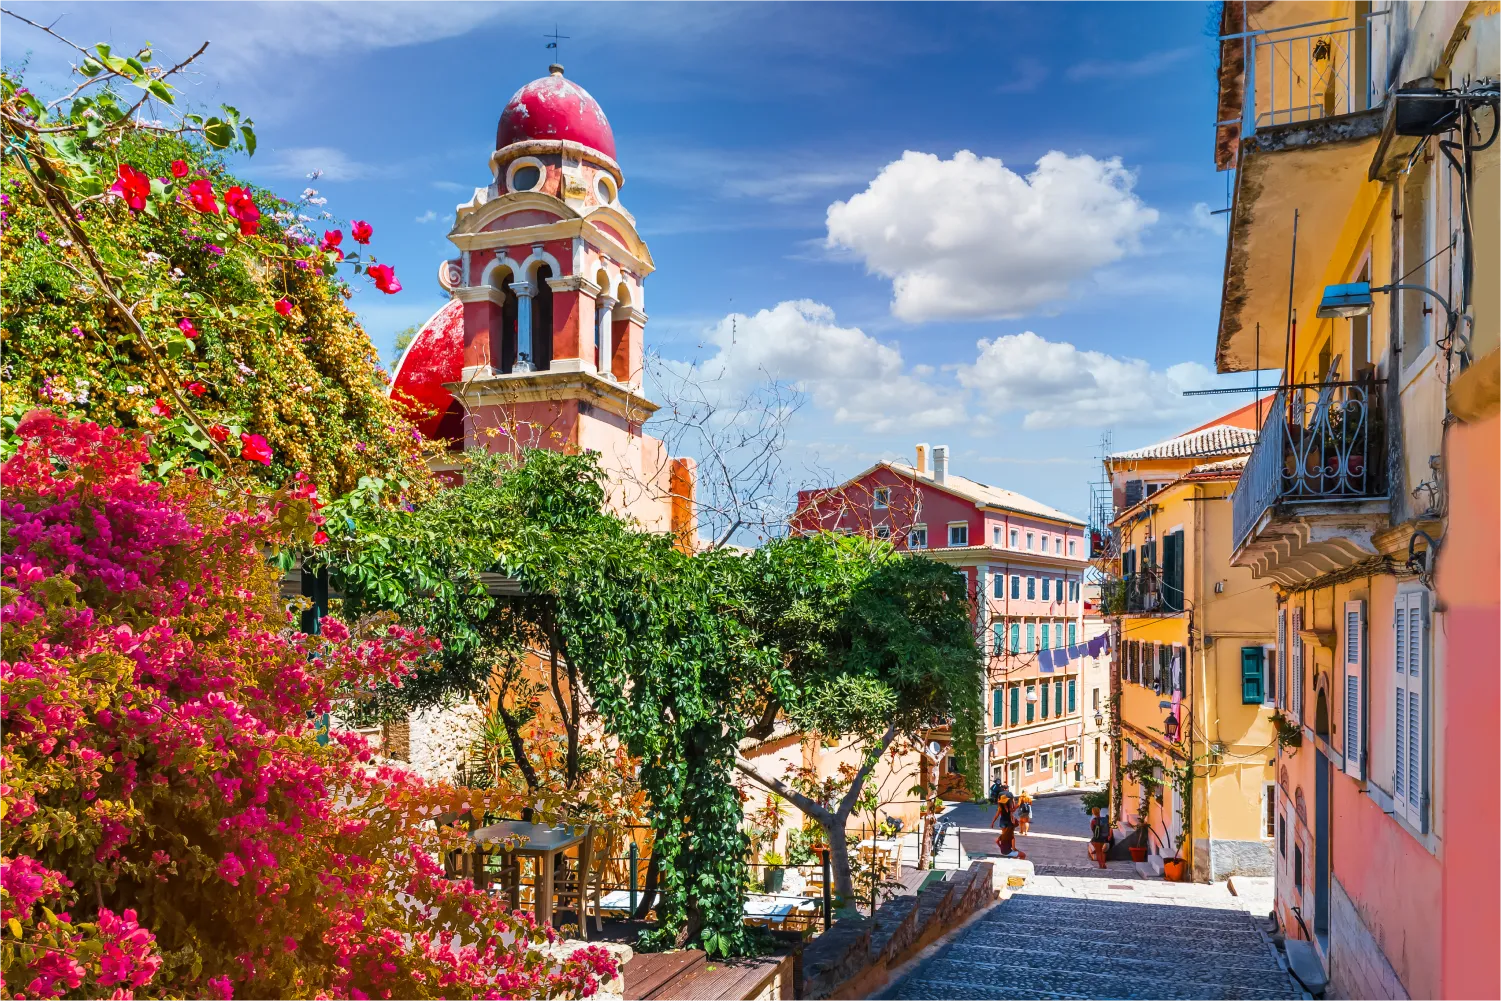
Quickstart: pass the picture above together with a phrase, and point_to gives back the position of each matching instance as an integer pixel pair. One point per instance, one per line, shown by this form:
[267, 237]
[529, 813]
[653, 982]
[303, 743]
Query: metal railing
[1320, 74]
[1321, 442]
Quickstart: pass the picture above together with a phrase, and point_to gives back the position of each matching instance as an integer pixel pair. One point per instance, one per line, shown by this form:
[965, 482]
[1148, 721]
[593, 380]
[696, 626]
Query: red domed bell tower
[541, 341]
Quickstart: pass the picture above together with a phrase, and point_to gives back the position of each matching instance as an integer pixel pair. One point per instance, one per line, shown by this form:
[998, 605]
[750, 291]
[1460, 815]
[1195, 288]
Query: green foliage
[308, 382]
[1096, 799]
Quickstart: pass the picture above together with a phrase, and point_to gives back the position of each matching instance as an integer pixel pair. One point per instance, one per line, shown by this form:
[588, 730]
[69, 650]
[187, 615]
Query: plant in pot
[773, 873]
[1175, 869]
[1138, 846]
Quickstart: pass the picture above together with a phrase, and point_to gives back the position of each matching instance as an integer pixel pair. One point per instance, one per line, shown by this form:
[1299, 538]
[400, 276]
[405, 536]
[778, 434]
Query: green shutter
[1031, 706]
[1016, 637]
[1073, 633]
[1000, 637]
[1045, 634]
[1058, 697]
[1250, 675]
[1071, 695]
[1016, 704]
[995, 707]
[1044, 696]
[1031, 637]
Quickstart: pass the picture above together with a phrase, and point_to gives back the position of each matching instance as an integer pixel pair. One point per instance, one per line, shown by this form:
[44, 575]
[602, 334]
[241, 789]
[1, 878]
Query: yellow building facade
[1362, 265]
[1193, 740]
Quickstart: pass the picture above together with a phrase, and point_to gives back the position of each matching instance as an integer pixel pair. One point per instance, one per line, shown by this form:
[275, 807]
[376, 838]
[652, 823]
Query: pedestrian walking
[1024, 813]
[1005, 804]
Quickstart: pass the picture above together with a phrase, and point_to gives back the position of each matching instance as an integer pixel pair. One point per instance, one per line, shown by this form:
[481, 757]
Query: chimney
[922, 459]
[940, 463]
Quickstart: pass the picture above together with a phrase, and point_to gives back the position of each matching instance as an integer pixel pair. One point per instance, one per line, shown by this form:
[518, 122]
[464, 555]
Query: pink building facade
[1025, 564]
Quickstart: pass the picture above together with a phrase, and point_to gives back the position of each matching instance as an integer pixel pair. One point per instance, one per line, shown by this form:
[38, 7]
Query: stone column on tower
[524, 292]
[604, 307]
[572, 322]
[626, 354]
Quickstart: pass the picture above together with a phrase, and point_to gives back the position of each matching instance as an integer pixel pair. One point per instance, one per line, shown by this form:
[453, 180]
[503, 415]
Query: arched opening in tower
[542, 319]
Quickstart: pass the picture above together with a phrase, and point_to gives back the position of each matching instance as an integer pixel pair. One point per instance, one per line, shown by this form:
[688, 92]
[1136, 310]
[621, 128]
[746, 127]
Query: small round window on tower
[526, 178]
[606, 190]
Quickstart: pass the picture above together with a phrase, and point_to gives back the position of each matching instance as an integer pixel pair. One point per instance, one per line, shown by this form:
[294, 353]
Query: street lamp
[1170, 727]
[1354, 299]
[1099, 720]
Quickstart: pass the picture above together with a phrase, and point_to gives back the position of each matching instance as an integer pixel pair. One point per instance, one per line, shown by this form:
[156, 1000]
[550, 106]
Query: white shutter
[1417, 704]
[1296, 668]
[1281, 693]
[1354, 650]
[1399, 713]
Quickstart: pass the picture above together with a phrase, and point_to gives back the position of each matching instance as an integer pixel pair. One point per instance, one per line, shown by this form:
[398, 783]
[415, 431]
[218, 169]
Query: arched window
[503, 327]
[542, 319]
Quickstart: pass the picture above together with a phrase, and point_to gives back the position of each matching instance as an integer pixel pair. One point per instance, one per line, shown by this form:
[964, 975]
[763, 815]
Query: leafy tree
[870, 645]
[172, 824]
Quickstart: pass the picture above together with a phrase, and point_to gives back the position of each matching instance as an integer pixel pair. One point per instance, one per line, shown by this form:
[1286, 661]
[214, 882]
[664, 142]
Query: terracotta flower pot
[1175, 869]
[1138, 854]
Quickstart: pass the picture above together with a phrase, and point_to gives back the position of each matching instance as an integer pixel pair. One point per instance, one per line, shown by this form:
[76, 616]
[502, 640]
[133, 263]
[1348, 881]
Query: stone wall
[1240, 858]
[1357, 966]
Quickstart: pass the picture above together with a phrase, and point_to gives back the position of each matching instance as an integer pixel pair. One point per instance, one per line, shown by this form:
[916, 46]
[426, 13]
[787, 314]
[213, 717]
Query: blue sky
[800, 166]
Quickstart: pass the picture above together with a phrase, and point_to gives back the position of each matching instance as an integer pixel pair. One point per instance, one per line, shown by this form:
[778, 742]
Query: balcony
[1314, 491]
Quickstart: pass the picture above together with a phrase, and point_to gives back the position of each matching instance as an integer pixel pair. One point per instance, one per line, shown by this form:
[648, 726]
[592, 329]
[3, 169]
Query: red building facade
[1025, 565]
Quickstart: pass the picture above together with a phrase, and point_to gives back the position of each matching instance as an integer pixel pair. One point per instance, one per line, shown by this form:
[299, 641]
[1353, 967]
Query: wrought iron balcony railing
[1323, 442]
[1324, 71]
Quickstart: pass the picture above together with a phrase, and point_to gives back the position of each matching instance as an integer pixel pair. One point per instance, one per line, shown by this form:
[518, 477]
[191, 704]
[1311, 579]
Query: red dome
[555, 108]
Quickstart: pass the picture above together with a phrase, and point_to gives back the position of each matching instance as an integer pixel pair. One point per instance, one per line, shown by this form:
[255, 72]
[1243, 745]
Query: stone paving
[1077, 931]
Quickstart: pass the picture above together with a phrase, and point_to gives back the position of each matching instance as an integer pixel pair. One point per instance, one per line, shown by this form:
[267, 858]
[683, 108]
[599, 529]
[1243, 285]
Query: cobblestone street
[1076, 931]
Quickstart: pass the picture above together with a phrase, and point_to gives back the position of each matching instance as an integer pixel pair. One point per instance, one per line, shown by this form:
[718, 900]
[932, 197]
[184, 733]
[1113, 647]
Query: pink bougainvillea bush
[172, 825]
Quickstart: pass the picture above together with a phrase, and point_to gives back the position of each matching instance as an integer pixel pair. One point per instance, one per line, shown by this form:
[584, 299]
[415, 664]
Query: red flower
[331, 240]
[188, 330]
[284, 307]
[238, 203]
[385, 278]
[218, 432]
[320, 537]
[161, 408]
[195, 387]
[361, 232]
[254, 449]
[179, 168]
[133, 186]
[201, 194]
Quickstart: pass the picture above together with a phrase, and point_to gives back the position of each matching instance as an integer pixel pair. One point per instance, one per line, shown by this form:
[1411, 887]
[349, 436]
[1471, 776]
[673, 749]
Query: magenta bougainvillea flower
[284, 307]
[361, 231]
[239, 204]
[254, 448]
[384, 277]
[188, 330]
[201, 194]
[131, 185]
[179, 168]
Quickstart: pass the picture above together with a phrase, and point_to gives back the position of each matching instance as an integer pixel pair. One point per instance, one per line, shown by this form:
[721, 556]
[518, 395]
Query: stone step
[1091, 948]
[951, 977]
[1151, 965]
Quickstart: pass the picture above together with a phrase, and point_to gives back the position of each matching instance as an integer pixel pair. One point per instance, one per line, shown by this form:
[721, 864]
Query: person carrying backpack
[995, 789]
[1099, 837]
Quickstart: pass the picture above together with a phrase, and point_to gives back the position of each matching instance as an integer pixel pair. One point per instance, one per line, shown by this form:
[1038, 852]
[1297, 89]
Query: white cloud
[428, 216]
[844, 371]
[300, 161]
[971, 238]
[1127, 69]
[1058, 386]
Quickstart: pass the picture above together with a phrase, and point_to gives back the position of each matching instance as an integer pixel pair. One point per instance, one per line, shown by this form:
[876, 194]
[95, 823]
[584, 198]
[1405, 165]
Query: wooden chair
[581, 881]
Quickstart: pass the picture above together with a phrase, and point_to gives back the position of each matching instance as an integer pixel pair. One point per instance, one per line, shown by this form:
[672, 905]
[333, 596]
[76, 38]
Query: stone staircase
[1046, 945]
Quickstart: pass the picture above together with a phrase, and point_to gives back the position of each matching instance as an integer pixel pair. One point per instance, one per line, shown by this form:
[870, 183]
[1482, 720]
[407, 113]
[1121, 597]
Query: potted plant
[1138, 847]
[773, 874]
[1175, 869]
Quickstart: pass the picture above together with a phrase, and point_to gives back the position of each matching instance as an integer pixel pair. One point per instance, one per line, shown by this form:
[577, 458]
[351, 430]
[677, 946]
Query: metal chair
[581, 881]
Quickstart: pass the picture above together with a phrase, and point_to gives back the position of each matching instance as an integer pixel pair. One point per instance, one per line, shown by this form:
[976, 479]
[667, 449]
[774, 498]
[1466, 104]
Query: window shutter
[1016, 586]
[1016, 702]
[1047, 635]
[1031, 637]
[1016, 637]
[1044, 696]
[995, 707]
[1296, 639]
[1133, 492]
[1282, 657]
[1058, 697]
[1045, 589]
[1250, 675]
[1073, 634]
[1031, 706]
[1399, 716]
[1071, 695]
[1354, 648]
[1417, 702]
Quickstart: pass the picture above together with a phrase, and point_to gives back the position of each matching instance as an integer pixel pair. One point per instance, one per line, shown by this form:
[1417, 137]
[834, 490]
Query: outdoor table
[768, 908]
[544, 842]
